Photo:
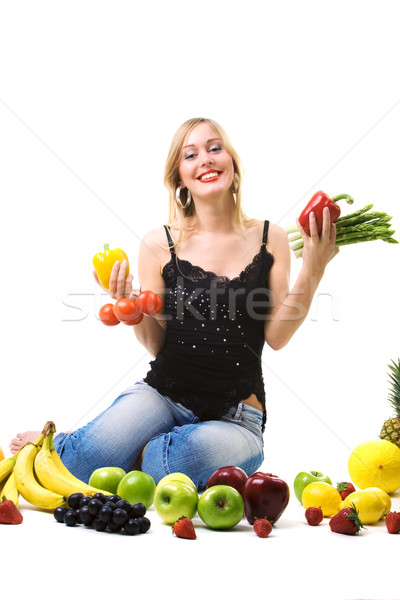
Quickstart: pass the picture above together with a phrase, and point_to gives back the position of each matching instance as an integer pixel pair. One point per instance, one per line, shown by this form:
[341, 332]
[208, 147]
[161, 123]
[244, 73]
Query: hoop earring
[179, 199]
[235, 184]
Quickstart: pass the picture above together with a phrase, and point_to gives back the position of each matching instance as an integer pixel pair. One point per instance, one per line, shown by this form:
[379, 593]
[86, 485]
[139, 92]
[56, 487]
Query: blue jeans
[175, 439]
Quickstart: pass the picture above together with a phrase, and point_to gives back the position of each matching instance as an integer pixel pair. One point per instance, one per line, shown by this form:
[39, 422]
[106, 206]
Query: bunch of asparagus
[363, 225]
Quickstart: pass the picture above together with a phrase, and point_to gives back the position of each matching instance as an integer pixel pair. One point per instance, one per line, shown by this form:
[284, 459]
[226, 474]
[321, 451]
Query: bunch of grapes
[104, 512]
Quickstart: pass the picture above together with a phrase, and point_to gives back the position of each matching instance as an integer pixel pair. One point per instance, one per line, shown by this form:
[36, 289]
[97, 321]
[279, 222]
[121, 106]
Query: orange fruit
[1, 454]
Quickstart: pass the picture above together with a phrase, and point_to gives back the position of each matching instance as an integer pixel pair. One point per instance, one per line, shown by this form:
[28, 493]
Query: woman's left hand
[319, 249]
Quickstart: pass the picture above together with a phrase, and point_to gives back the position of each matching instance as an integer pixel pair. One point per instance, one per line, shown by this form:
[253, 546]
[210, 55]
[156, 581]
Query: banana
[6, 467]
[53, 474]
[62, 468]
[59, 463]
[10, 491]
[26, 482]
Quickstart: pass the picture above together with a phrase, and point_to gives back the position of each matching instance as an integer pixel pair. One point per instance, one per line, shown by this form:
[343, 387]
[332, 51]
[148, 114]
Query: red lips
[210, 178]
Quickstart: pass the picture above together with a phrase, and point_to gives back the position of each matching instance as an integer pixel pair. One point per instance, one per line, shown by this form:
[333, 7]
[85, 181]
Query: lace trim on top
[195, 273]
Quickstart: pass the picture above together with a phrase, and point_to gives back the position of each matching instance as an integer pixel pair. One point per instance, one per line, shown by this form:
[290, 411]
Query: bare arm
[290, 307]
[151, 331]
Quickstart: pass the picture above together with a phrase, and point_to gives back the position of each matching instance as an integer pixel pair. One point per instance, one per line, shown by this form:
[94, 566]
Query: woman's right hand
[120, 283]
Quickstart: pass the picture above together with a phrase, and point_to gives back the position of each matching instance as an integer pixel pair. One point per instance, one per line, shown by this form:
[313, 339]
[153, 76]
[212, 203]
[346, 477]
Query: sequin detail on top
[211, 359]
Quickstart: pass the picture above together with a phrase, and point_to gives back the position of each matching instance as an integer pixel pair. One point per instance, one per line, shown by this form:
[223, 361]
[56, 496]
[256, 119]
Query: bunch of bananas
[39, 475]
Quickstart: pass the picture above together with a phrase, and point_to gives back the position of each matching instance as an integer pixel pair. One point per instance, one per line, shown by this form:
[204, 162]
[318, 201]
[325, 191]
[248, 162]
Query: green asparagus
[363, 225]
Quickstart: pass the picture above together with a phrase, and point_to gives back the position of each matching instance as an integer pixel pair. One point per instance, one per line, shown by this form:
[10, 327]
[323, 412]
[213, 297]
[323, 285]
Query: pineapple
[391, 427]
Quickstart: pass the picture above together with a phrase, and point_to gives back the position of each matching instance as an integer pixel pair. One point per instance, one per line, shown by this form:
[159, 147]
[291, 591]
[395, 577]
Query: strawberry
[184, 528]
[262, 527]
[346, 521]
[345, 488]
[314, 515]
[9, 513]
[392, 521]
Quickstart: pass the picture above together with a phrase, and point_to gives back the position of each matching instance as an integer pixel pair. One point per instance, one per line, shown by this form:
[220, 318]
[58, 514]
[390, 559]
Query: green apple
[107, 478]
[304, 478]
[175, 499]
[177, 477]
[137, 486]
[221, 507]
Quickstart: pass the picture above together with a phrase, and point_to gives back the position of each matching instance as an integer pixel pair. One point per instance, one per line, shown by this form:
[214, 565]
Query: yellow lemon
[375, 463]
[322, 494]
[369, 504]
[386, 499]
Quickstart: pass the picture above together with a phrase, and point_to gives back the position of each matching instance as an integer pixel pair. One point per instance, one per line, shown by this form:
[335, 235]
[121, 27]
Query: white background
[90, 96]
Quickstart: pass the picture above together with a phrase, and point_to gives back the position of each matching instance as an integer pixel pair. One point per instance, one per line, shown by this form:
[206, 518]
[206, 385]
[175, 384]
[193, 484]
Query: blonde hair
[179, 215]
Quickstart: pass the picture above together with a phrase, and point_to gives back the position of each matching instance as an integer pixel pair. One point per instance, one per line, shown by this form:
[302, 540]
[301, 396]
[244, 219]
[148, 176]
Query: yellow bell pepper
[103, 263]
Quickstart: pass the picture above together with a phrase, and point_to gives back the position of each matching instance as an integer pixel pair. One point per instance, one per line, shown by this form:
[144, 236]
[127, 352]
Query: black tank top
[211, 359]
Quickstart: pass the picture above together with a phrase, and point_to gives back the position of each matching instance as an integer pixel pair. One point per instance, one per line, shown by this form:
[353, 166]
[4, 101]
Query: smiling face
[205, 168]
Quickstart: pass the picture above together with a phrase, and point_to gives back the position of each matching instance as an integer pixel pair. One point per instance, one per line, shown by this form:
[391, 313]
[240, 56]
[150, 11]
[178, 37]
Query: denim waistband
[247, 416]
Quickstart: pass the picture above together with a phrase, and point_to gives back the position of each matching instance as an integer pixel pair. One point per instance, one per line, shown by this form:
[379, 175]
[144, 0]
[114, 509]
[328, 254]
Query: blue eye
[190, 155]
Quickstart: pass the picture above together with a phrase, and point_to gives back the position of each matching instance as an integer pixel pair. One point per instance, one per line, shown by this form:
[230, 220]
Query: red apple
[265, 496]
[233, 476]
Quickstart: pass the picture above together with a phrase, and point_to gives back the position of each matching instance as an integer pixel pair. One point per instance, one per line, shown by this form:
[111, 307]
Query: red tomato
[126, 310]
[134, 321]
[107, 315]
[148, 303]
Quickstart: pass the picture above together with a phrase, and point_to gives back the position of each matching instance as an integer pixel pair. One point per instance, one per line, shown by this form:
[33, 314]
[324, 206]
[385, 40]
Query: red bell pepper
[317, 205]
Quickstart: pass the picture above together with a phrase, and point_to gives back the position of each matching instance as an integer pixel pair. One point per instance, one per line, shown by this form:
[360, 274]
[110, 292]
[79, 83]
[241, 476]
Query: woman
[224, 281]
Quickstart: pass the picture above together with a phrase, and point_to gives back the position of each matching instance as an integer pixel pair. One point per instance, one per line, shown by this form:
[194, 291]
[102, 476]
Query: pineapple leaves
[394, 395]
